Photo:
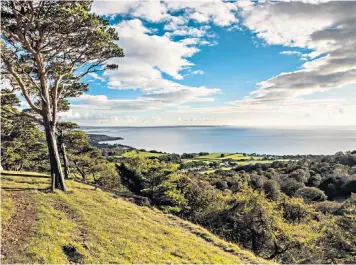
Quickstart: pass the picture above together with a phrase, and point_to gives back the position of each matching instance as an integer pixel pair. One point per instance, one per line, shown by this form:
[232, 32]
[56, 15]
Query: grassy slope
[104, 229]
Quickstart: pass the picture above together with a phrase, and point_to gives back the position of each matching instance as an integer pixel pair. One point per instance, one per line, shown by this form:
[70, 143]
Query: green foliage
[338, 243]
[155, 180]
[43, 46]
[290, 186]
[310, 194]
[88, 161]
[272, 190]
[295, 210]
[22, 146]
[267, 208]
[300, 175]
[258, 224]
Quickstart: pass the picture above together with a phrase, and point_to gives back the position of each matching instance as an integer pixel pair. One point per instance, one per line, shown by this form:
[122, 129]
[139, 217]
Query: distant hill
[88, 225]
[102, 137]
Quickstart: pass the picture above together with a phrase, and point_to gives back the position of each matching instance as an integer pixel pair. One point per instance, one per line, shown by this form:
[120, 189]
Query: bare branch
[89, 70]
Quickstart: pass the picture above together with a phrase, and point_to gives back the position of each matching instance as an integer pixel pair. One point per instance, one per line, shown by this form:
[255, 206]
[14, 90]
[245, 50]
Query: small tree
[44, 43]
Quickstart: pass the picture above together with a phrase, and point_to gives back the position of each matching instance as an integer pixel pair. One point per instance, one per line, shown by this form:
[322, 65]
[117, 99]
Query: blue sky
[225, 63]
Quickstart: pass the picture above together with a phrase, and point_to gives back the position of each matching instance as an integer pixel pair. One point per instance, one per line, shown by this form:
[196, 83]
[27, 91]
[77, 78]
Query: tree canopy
[47, 47]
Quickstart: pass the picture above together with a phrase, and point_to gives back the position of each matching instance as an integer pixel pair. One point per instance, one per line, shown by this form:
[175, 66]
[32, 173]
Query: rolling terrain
[88, 225]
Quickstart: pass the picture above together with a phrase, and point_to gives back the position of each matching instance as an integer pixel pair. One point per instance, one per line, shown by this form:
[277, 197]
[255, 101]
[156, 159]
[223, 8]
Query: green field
[141, 154]
[87, 225]
[237, 158]
[217, 157]
[213, 156]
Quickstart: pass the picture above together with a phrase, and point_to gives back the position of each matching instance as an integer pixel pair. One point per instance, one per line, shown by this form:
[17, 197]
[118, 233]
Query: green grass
[104, 229]
[141, 154]
[23, 173]
[237, 157]
[7, 207]
[213, 156]
[217, 157]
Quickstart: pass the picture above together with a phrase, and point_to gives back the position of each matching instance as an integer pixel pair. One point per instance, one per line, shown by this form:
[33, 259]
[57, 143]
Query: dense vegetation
[296, 211]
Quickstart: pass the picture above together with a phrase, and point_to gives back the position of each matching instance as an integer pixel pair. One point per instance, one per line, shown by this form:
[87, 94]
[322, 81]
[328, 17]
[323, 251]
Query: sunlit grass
[141, 154]
[6, 207]
[22, 173]
[104, 229]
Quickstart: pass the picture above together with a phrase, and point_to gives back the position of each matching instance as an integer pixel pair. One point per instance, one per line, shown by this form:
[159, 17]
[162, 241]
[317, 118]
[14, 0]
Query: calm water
[234, 139]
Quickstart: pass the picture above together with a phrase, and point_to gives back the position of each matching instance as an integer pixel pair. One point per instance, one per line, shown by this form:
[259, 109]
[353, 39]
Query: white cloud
[147, 55]
[150, 10]
[198, 72]
[322, 34]
[328, 29]
[144, 49]
[97, 77]
[100, 107]
[218, 12]
[189, 31]
[114, 7]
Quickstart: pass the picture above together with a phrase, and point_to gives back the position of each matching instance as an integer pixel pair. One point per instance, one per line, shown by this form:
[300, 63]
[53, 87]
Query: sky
[225, 63]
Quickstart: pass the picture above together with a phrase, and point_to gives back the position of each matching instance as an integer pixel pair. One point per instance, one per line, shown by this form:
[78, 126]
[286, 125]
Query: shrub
[300, 175]
[295, 210]
[272, 190]
[310, 194]
[290, 186]
[314, 181]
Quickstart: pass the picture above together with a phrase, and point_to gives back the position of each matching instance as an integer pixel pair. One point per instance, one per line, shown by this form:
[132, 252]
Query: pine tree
[44, 44]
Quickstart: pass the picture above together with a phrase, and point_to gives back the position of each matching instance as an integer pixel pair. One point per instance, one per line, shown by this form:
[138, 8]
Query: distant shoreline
[350, 127]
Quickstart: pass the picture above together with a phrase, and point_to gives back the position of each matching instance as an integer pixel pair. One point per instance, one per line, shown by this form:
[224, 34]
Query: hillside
[88, 225]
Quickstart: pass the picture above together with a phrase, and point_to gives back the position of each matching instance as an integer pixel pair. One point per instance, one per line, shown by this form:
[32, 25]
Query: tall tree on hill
[44, 44]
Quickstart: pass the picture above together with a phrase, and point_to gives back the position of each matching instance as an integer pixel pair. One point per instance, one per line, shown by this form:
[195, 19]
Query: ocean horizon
[262, 140]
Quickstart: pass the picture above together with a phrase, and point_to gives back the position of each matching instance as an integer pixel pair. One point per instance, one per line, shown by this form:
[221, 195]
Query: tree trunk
[65, 161]
[84, 176]
[62, 149]
[254, 243]
[56, 170]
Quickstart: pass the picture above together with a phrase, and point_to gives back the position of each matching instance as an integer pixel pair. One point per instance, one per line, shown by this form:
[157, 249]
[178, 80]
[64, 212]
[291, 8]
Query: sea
[192, 139]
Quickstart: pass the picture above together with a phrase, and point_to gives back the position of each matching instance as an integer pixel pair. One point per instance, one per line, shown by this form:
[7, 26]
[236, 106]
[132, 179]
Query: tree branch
[22, 86]
[22, 114]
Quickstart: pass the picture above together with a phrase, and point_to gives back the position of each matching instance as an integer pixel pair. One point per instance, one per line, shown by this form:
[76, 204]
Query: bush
[300, 175]
[310, 194]
[327, 207]
[332, 186]
[221, 185]
[290, 186]
[295, 210]
[272, 190]
[314, 181]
